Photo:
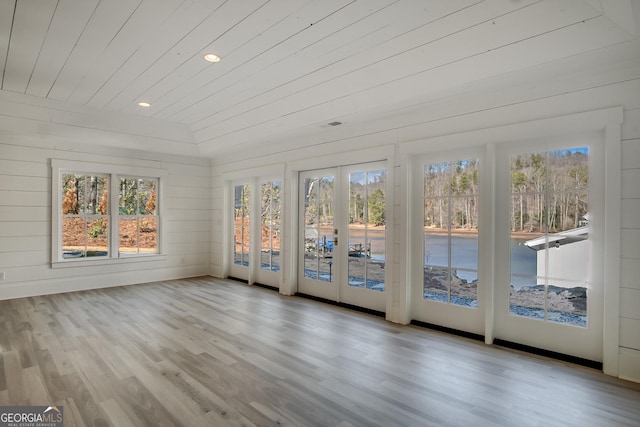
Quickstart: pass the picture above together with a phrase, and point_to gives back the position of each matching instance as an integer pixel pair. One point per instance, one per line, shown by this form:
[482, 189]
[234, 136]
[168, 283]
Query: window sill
[126, 259]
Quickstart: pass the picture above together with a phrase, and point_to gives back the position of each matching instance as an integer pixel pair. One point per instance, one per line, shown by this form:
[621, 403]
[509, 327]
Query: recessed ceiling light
[144, 104]
[211, 57]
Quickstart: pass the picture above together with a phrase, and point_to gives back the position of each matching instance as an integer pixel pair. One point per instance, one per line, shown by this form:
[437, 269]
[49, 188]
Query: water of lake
[464, 256]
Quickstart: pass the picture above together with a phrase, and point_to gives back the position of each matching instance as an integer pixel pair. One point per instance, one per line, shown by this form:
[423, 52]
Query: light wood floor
[215, 353]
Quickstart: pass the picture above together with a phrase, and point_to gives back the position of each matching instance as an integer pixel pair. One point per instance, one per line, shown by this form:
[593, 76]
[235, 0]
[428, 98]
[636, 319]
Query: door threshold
[452, 331]
[550, 354]
[269, 287]
[343, 305]
[237, 279]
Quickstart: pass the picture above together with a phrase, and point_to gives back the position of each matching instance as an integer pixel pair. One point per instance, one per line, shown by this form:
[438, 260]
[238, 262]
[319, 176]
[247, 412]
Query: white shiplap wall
[217, 223]
[596, 80]
[630, 240]
[27, 145]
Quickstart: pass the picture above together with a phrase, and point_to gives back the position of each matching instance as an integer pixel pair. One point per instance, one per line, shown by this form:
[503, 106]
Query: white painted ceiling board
[184, 84]
[536, 82]
[6, 22]
[305, 67]
[414, 121]
[288, 66]
[234, 75]
[583, 37]
[140, 27]
[66, 26]
[621, 12]
[445, 24]
[484, 38]
[100, 29]
[197, 42]
[260, 51]
[188, 16]
[28, 32]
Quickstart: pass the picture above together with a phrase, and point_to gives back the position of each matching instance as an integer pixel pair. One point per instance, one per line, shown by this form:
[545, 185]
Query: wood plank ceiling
[288, 67]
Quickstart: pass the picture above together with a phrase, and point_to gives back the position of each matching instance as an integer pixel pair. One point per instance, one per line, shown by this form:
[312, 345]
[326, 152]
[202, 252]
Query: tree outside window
[451, 218]
[550, 248]
[270, 225]
[138, 215]
[241, 227]
[85, 215]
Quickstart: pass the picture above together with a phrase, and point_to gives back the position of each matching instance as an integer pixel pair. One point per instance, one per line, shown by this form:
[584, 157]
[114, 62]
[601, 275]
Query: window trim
[114, 172]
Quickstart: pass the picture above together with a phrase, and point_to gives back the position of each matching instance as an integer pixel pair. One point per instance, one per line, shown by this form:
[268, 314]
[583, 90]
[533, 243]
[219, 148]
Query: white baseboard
[81, 283]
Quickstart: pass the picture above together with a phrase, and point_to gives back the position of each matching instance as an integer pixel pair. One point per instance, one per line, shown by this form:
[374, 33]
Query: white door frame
[587, 342]
[607, 121]
[328, 290]
[448, 315]
[253, 177]
[362, 297]
[259, 275]
[387, 154]
[233, 269]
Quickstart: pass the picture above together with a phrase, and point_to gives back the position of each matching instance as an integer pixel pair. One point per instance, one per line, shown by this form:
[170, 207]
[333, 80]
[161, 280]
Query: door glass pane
[366, 234]
[567, 302]
[436, 250]
[270, 228]
[376, 229]
[318, 228]
[549, 235]
[241, 225]
[451, 232]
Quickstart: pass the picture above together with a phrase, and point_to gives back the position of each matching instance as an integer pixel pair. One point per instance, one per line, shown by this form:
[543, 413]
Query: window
[367, 208]
[104, 212]
[241, 225]
[270, 225]
[319, 198]
[85, 215]
[550, 235]
[138, 215]
[451, 232]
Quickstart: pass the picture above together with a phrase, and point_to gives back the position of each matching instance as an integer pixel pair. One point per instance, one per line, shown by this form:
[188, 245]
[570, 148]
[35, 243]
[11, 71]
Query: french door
[447, 286]
[342, 235]
[241, 231]
[256, 231]
[268, 268]
[520, 258]
[550, 212]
